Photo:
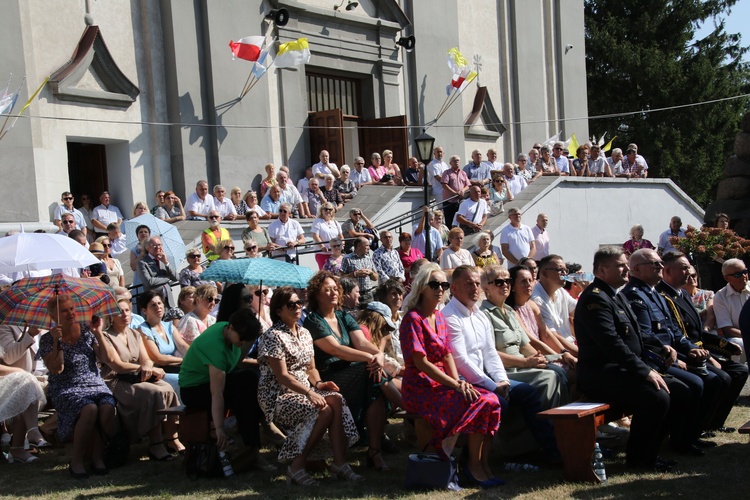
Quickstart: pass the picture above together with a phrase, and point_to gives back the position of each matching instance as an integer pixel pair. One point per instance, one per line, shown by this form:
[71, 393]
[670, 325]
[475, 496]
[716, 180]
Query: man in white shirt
[472, 343]
[515, 183]
[68, 208]
[516, 239]
[290, 194]
[104, 214]
[286, 232]
[200, 202]
[541, 237]
[303, 185]
[563, 165]
[324, 167]
[222, 204]
[557, 306]
[729, 300]
[359, 175]
[472, 212]
[492, 160]
[435, 171]
[117, 240]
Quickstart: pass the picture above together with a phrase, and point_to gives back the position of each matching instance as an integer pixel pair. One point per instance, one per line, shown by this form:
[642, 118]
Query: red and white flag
[247, 48]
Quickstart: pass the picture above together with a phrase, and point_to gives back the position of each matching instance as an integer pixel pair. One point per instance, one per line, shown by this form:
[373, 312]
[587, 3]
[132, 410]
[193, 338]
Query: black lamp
[407, 42]
[425, 144]
[279, 16]
[350, 5]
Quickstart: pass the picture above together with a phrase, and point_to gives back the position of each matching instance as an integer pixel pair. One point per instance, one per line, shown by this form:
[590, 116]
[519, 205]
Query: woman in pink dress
[636, 241]
[376, 170]
[431, 387]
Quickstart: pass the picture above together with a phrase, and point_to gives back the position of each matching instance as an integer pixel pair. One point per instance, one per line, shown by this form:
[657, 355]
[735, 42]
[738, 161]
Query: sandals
[371, 462]
[300, 477]
[344, 472]
[166, 458]
[173, 450]
[41, 443]
[12, 459]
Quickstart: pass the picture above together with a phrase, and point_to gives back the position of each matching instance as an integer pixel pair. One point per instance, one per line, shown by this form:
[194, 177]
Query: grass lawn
[718, 474]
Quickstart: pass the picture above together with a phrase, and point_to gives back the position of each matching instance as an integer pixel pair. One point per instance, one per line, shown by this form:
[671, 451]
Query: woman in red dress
[431, 387]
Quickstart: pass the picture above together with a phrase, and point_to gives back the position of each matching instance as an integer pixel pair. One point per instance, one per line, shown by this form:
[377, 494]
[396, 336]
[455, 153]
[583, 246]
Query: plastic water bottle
[597, 462]
[226, 465]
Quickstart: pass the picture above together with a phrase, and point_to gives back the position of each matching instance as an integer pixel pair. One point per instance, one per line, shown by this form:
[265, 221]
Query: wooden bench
[745, 429]
[575, 431]
[194, 423]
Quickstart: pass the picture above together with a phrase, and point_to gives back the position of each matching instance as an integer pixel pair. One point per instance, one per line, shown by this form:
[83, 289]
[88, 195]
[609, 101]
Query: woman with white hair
[344, 185]
[332, 195]
[636, 241]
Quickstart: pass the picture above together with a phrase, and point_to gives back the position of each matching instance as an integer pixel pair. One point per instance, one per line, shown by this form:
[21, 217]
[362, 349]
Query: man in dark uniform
[655, 323]
[610, 367]
[685, 316]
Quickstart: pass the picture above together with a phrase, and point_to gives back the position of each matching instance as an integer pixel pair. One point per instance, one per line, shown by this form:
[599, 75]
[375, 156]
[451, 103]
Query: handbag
[429, 471]
[202, 459]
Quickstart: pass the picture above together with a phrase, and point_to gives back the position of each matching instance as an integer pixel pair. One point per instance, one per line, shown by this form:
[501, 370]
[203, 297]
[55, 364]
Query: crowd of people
[460, 339]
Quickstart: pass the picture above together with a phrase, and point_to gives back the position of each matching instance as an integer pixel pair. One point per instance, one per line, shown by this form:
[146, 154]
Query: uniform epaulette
[595, 290]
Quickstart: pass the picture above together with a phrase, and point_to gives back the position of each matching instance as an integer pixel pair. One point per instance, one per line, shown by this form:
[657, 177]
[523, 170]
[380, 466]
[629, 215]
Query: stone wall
[734, 189]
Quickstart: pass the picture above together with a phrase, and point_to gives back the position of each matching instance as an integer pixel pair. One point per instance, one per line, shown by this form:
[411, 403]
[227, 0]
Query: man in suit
[610, 367]
[676, 271]
[655, 323]
[155, 271]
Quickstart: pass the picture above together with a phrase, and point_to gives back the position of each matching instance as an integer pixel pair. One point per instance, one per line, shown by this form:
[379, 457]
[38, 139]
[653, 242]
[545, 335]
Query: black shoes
[659, 465]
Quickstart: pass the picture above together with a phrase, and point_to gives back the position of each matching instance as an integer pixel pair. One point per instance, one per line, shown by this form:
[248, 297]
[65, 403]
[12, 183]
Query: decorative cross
[477, 65]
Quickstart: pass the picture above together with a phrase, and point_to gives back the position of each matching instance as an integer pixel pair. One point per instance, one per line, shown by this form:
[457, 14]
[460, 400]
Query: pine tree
[640, 55]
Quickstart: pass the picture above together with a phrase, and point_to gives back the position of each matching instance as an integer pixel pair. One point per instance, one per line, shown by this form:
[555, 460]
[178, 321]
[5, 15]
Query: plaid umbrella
[171, 239]
[26, 301]
[269, 272]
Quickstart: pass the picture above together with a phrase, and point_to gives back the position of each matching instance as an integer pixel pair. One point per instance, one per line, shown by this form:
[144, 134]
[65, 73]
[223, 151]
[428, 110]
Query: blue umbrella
[268, 272]
[174, 248]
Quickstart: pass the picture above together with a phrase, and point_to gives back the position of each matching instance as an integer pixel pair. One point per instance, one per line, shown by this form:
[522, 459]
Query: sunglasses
[259, 292]
[294, 305]
[68, 198]
[249, 249]
[229, 248]
[434, 285]
[194, 256]
[738, 274]
[212, 300]
[328, 210]
[558, 149]
[106, 245]
[335, 246]
[213, 217]
[499, 282]
[283, 211]
[68, 222]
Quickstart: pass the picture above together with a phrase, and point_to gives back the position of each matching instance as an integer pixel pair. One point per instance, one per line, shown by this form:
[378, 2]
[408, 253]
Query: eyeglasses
[434, 285]
[499, 282]
[738, 274]
[294, 305]
[68, 198]
[259, 292]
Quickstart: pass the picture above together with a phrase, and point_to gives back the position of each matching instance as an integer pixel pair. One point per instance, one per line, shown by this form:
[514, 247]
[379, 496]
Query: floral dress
[631, 245]
[79, 384]
[445, 409]
[291, 410]
[190, 326]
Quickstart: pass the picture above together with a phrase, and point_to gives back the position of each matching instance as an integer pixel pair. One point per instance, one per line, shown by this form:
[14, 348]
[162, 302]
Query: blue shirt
[476, 172]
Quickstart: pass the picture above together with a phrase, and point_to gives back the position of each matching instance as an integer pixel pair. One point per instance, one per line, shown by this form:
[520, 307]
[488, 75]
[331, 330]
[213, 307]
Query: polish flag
[247, 48]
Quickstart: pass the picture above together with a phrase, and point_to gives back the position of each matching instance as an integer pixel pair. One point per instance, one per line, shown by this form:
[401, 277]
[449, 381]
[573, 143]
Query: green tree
[641, 55]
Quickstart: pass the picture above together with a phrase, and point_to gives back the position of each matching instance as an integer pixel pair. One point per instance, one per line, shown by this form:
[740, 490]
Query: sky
[736, 22]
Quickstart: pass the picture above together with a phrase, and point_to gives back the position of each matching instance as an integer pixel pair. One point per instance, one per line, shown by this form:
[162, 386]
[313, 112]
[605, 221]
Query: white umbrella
[25, 252]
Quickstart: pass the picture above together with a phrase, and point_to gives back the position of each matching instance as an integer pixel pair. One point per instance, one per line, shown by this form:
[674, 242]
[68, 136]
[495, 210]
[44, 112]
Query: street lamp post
[425, 144]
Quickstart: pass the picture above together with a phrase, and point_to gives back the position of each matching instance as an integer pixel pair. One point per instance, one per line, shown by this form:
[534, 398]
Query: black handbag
[117, 449]
[429, 471]
[202, 459]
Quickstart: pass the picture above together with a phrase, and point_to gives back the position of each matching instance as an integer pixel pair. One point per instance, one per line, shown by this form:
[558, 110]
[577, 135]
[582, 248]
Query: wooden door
[326, 132]
[87, 170]
[385, 133]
